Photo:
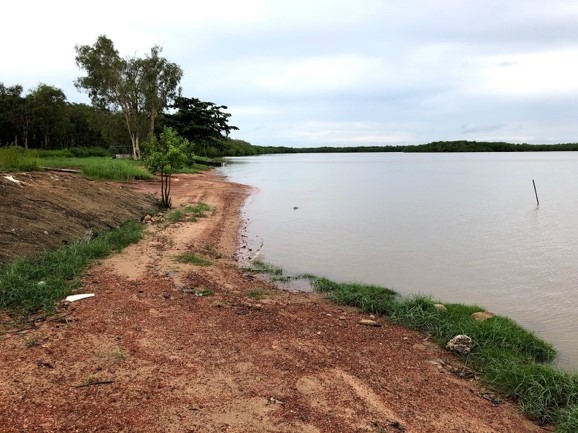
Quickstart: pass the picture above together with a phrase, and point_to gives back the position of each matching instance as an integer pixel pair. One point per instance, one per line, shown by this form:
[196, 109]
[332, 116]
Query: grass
[192, 259]
[512, 360]
[101, 168]
[28, 286]
[258, 294]
[14, 158]
[189, 213]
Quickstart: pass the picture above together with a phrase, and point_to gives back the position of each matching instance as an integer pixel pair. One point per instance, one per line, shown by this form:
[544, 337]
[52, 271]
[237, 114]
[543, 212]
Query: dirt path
[169, 347]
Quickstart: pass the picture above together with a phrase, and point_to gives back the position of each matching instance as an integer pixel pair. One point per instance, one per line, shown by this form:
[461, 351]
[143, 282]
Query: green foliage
[99, 168]
[27, 286]
[15, 158]
[139, 88]
[258, 294]
[115, 169]
[190, 212]
[568, 420]
[165, 156]
[192, 259]
[204, 124]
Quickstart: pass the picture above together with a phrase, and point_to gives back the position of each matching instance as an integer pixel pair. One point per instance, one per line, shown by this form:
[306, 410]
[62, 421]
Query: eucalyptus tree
[140, 88]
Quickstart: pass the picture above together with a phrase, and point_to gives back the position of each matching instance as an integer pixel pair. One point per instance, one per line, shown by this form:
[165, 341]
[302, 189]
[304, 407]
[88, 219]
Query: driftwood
[63, 170]
[97, 382]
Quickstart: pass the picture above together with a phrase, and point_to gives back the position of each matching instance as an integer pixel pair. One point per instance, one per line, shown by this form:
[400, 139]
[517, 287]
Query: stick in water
[536, 192]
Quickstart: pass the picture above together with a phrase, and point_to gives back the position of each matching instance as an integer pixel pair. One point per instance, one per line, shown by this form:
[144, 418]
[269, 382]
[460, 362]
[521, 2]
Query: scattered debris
[44, 364]
[369, 322]
[94, 382]
[16, 181]
[491, 397]
[73, 298]
[273, 400]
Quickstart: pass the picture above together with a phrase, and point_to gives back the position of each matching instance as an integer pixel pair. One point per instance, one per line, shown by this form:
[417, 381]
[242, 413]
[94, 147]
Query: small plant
[197, 211]
[165, 156]
[258, 294]
[265, 268]
[174, 216]
[192, 259]
[31, 342]
[204, 292]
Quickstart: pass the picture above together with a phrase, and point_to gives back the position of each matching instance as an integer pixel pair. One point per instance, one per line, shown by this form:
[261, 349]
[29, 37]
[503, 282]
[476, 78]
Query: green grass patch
[189, 213]
[512, 360]
[258, 294]
[28, 286]
[101, 168]
[193, 168]
[260, 267]
[192, 259]
[14, 158]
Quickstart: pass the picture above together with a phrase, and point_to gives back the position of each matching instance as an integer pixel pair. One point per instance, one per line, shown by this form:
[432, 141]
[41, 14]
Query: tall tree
[11, 102]
[139, 88]
[48, 109]
[203, 123]
[160, 85]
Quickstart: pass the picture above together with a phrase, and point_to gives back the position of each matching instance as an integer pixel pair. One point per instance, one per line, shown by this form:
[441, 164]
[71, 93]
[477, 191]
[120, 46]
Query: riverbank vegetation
[28, 286]
[509, 359]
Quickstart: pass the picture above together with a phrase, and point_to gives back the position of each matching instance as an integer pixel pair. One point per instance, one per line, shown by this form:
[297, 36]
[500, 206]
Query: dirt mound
[44, 210]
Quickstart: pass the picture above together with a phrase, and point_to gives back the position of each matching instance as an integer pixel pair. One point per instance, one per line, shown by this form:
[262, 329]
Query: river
[460, 227]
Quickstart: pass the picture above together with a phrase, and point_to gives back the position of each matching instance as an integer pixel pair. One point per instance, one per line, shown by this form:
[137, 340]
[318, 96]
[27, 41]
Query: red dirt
[147, 354]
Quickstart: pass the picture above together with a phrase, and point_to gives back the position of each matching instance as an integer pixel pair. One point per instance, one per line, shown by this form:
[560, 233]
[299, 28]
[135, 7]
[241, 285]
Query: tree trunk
[152, 126]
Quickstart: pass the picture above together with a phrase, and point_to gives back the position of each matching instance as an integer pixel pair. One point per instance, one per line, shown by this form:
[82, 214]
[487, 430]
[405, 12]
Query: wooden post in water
[536, 192]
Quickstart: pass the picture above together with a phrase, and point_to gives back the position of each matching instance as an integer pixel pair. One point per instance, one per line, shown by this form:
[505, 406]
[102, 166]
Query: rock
[342, 318]
[482, 315]
[440, 307]
[461, 344]
[369, 322]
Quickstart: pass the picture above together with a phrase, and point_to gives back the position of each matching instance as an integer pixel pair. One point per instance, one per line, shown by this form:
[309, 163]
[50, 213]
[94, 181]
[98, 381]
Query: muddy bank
[45, 210]
[166, 346]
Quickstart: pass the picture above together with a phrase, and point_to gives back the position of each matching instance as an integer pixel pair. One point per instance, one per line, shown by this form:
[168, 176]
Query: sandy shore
[172, 347]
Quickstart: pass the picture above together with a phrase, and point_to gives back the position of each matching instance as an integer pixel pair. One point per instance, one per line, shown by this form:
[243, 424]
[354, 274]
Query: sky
[307, 73]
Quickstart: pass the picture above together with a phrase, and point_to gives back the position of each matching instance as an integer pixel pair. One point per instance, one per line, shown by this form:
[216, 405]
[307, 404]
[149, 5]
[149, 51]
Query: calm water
[459, 227]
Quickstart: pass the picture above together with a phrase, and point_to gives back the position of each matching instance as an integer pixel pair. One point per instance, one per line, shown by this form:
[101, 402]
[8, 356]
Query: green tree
[164, 156]
[10, 102]
[139, 88]
[48, 110]
[203, 123]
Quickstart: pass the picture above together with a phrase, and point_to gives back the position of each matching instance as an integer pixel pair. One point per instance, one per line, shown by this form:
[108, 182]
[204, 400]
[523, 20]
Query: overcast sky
[332, 72]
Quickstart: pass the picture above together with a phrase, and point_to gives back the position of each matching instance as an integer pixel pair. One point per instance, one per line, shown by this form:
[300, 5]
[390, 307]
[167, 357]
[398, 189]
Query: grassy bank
[100, 167]
[510, 359]
[28, 286]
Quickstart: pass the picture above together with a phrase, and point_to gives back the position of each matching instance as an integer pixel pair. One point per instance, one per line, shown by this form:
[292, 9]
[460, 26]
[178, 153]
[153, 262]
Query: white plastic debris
[11, 179]
[78, 297]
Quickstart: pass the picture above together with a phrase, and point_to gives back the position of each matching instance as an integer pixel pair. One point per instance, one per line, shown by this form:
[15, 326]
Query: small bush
[192, 259]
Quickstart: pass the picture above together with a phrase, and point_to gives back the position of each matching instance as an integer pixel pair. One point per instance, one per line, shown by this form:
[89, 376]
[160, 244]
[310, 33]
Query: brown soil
[44, 210]
[148, 353]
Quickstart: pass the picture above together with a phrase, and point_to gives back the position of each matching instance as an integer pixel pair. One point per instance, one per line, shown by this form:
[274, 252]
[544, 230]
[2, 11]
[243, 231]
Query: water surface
[459, 227]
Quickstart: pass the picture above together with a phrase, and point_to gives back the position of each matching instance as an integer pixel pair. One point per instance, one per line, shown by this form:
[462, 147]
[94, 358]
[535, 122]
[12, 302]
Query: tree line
[132, 100]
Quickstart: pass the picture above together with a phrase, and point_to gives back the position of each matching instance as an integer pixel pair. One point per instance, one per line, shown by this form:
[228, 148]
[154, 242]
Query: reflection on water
[459, 227]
